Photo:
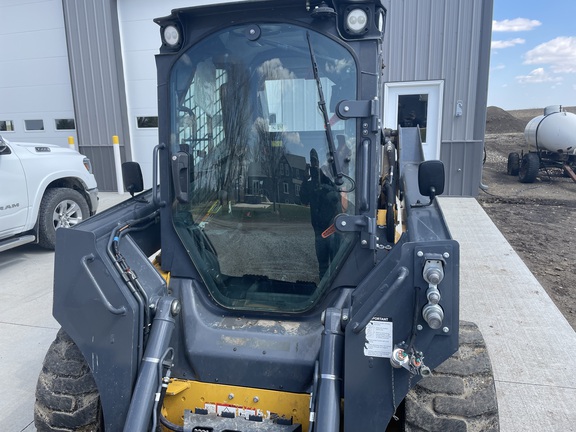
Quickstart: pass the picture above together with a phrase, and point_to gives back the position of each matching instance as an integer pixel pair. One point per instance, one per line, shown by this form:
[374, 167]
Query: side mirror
[431, 179]
[132, 175]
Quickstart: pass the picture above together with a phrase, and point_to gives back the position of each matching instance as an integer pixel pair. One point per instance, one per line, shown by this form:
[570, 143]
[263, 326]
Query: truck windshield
[263, 193]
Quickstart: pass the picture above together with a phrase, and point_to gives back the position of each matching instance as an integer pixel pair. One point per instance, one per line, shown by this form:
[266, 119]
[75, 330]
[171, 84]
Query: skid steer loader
[289, 270]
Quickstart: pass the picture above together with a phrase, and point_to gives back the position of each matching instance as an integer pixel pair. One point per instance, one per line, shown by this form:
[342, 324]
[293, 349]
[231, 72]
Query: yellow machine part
[165, 275]
[216, 398]
[183, 394]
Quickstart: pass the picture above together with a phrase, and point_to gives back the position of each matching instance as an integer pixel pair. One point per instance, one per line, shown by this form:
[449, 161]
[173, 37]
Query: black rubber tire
[513, 167]
[66, 394]
[55, 201]
[460, 396]
[529, 168]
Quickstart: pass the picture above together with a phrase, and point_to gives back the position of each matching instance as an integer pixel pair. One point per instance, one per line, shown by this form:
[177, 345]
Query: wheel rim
[67, 214]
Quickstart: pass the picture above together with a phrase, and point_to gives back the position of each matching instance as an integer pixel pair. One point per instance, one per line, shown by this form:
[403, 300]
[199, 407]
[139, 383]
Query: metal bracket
[366, 225]
[368, 109]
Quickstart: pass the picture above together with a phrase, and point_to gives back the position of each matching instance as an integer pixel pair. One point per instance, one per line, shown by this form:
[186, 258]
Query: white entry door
[416, 103]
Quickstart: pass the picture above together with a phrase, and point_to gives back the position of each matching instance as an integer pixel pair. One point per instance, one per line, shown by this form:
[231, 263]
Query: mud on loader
[289, 270]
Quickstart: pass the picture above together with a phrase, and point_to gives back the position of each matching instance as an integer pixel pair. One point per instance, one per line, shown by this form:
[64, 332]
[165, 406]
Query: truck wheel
[460, 395]
[66, 394]
[513, 164]
[60, 207]
[529, 168]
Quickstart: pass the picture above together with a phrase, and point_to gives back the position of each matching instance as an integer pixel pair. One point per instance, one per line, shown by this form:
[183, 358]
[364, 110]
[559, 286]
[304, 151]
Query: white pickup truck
[42, 187]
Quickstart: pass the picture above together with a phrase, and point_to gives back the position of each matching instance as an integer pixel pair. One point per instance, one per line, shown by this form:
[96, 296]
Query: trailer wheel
[513, 164]
[460, 395]
[529, 168]
[66, 394]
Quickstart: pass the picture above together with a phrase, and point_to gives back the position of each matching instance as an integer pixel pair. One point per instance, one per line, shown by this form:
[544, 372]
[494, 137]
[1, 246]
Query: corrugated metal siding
[460, 159]
[446, 40]
[97, 82]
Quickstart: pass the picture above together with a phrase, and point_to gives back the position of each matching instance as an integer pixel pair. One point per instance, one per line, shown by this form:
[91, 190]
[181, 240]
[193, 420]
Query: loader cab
[286, 286]
[269, 122]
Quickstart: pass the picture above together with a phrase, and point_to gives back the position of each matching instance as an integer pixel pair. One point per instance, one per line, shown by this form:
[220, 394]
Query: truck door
[13, 194]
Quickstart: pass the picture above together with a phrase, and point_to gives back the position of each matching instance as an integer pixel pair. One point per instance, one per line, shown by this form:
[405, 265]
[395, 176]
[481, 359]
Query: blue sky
[533, 57]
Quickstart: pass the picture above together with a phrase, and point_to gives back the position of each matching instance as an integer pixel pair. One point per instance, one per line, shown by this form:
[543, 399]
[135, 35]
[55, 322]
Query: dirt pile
[528, 114]
[500, 121]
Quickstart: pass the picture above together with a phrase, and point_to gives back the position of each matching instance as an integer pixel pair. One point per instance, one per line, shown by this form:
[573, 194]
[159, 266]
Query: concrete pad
[27, 329]
[532, 346]
[109, 199]
[26, 296]
[22, 350]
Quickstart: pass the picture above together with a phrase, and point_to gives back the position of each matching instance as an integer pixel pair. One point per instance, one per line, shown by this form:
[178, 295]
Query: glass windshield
[262, 188]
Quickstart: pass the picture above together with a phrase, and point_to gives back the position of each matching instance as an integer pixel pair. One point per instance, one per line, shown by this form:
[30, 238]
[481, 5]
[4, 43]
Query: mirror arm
[432, 195]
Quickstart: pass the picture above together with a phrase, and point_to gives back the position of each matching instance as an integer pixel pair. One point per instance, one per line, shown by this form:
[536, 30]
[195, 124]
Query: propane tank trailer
[551, 141]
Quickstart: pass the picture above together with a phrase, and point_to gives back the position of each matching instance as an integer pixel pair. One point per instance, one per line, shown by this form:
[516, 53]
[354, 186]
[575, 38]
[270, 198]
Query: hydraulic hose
[128, 276]
[143, 396]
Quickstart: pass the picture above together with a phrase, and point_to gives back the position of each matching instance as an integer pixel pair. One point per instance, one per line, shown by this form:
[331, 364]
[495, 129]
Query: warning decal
[238, 411]
[378, 338]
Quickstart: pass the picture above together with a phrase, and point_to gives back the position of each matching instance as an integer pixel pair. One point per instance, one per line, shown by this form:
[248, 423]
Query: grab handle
[116, 311]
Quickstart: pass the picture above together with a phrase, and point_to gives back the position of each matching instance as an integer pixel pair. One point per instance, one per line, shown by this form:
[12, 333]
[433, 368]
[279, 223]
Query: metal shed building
[93, 76]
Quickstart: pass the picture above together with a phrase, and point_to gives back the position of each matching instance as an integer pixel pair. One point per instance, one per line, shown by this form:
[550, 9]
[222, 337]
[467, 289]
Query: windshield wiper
[334, 162]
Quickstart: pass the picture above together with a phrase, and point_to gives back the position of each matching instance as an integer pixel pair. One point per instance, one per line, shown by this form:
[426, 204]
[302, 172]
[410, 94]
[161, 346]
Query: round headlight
[356, 21]
[171, 35]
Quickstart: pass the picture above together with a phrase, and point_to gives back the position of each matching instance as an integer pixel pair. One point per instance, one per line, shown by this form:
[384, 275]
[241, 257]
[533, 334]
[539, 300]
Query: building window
[412, 110]
[6, 126]
[147, 122]
[285, 187]
[65, 124]
[34, 125]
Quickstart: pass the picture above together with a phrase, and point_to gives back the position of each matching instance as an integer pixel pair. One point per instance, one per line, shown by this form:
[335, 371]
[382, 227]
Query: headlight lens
[171, 36]
[87, 165]
[356, 21]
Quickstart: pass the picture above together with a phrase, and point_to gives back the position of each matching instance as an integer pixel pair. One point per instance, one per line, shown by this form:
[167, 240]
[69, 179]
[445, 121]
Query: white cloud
[515, 25]
[559, 53]
[497, 67]
[537, 76]
[499, 44]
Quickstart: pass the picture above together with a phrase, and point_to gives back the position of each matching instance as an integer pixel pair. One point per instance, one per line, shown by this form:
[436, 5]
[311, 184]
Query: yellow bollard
[71, 142]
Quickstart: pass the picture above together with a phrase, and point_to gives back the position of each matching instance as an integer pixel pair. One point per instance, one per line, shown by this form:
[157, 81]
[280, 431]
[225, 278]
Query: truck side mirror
[431, 179]
[3, 145]
[132, 175]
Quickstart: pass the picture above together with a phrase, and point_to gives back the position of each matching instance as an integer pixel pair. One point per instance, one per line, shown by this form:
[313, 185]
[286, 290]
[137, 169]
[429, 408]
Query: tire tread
[460, 396]
[66, 394]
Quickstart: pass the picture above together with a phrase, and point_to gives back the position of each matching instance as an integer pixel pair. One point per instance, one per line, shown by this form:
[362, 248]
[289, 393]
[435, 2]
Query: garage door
[35, 92]
[140, 39]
